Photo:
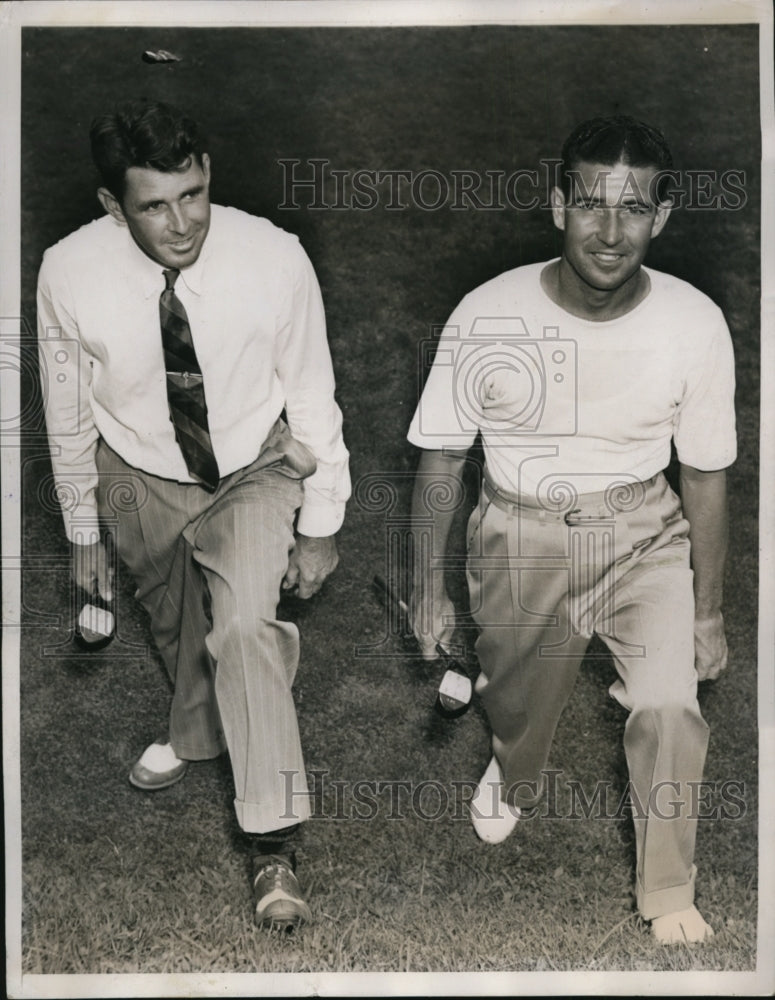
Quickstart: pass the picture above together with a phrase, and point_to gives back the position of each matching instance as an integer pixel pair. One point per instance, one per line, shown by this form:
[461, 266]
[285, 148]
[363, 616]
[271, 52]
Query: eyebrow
[195, 189]
[628, 199]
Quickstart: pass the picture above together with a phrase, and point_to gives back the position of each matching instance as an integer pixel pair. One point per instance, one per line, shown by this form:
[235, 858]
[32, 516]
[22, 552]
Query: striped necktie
[185, 388]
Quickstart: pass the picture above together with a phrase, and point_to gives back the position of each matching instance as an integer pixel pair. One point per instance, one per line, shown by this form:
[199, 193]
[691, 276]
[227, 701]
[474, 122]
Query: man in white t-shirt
[578, 374]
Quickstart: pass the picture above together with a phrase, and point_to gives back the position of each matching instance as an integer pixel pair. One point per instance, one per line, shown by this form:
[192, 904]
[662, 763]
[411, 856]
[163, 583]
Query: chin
[179, 261]
[608, 282]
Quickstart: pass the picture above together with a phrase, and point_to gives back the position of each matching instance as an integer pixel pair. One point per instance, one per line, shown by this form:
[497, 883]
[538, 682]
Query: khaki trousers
[208, 569]
[541, 583]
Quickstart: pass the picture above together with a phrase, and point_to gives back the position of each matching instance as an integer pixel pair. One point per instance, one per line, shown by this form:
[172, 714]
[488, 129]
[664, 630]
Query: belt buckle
[578, 516]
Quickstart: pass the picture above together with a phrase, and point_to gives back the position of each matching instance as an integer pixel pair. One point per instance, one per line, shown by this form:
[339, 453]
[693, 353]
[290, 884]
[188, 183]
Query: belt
[580, 509]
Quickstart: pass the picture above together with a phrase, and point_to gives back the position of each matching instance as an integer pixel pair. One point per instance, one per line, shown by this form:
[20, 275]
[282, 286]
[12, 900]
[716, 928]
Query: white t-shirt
[561, 400]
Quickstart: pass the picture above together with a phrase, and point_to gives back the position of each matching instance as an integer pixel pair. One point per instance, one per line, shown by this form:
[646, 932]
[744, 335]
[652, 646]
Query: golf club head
[455, 693]
[455, 690]
[95, 628]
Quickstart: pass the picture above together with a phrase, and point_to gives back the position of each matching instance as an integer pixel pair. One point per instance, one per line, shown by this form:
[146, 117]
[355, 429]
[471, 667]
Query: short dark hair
[616, 139]
[142, 134]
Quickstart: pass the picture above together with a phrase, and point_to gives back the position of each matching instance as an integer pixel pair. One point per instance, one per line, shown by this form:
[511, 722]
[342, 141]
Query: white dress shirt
[258, 326]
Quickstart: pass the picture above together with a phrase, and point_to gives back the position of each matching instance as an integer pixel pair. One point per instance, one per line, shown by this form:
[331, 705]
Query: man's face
[168, 214]
[609, 221]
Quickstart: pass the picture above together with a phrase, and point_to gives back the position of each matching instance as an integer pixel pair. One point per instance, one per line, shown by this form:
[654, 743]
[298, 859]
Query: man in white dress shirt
[174, 335]
[579, 373]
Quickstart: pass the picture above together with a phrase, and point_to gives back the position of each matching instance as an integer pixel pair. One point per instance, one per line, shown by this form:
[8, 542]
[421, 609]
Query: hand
[91, 570]
[311, 561]
[429, 609]
[710, 646]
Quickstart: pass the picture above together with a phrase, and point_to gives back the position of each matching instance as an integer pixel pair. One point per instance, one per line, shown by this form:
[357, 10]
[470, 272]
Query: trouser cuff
[661, 901]
[199, 751]
[266, 817]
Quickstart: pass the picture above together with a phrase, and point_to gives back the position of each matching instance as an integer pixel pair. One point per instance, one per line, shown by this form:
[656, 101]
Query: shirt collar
[192, 276]
[152, 273]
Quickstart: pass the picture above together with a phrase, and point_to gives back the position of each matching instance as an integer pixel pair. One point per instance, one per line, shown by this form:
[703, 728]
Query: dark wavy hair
[616, 139]
[143, 134]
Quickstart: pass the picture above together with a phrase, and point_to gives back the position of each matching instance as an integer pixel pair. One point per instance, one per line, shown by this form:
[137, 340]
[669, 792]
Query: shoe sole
[283, 916]
[154, 786]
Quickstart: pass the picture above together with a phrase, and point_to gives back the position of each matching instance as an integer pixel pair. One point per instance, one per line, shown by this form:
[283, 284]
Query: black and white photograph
[387, 509]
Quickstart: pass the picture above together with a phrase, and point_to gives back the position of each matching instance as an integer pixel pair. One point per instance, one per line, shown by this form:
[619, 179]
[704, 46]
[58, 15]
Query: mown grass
[119, 882]
[420, 901]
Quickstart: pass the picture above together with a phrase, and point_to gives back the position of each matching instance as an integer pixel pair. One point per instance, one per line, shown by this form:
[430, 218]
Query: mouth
[607, 258]
[182, 246]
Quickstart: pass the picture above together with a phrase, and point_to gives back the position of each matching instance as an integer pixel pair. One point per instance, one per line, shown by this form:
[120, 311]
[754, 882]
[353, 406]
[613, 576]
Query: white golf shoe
[494, 820]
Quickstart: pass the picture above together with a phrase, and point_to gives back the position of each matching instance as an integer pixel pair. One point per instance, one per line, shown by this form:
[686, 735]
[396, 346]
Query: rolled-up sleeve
[449, 412]
[704, 425]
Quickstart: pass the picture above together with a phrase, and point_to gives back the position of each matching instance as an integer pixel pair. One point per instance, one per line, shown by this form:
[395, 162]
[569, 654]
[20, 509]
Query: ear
[111, 205]
[660, 218]
[557, 199]
[206, 168]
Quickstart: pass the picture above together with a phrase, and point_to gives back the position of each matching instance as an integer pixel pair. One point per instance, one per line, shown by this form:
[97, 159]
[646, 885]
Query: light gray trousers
[208, 569]
[540, 585]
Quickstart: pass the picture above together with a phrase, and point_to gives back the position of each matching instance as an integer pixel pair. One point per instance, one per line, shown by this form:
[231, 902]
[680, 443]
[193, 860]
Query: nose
[176, 219]
[610, 229]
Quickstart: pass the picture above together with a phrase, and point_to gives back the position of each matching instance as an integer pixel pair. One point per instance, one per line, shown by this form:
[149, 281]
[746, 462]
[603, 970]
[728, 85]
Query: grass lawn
[115, 881]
